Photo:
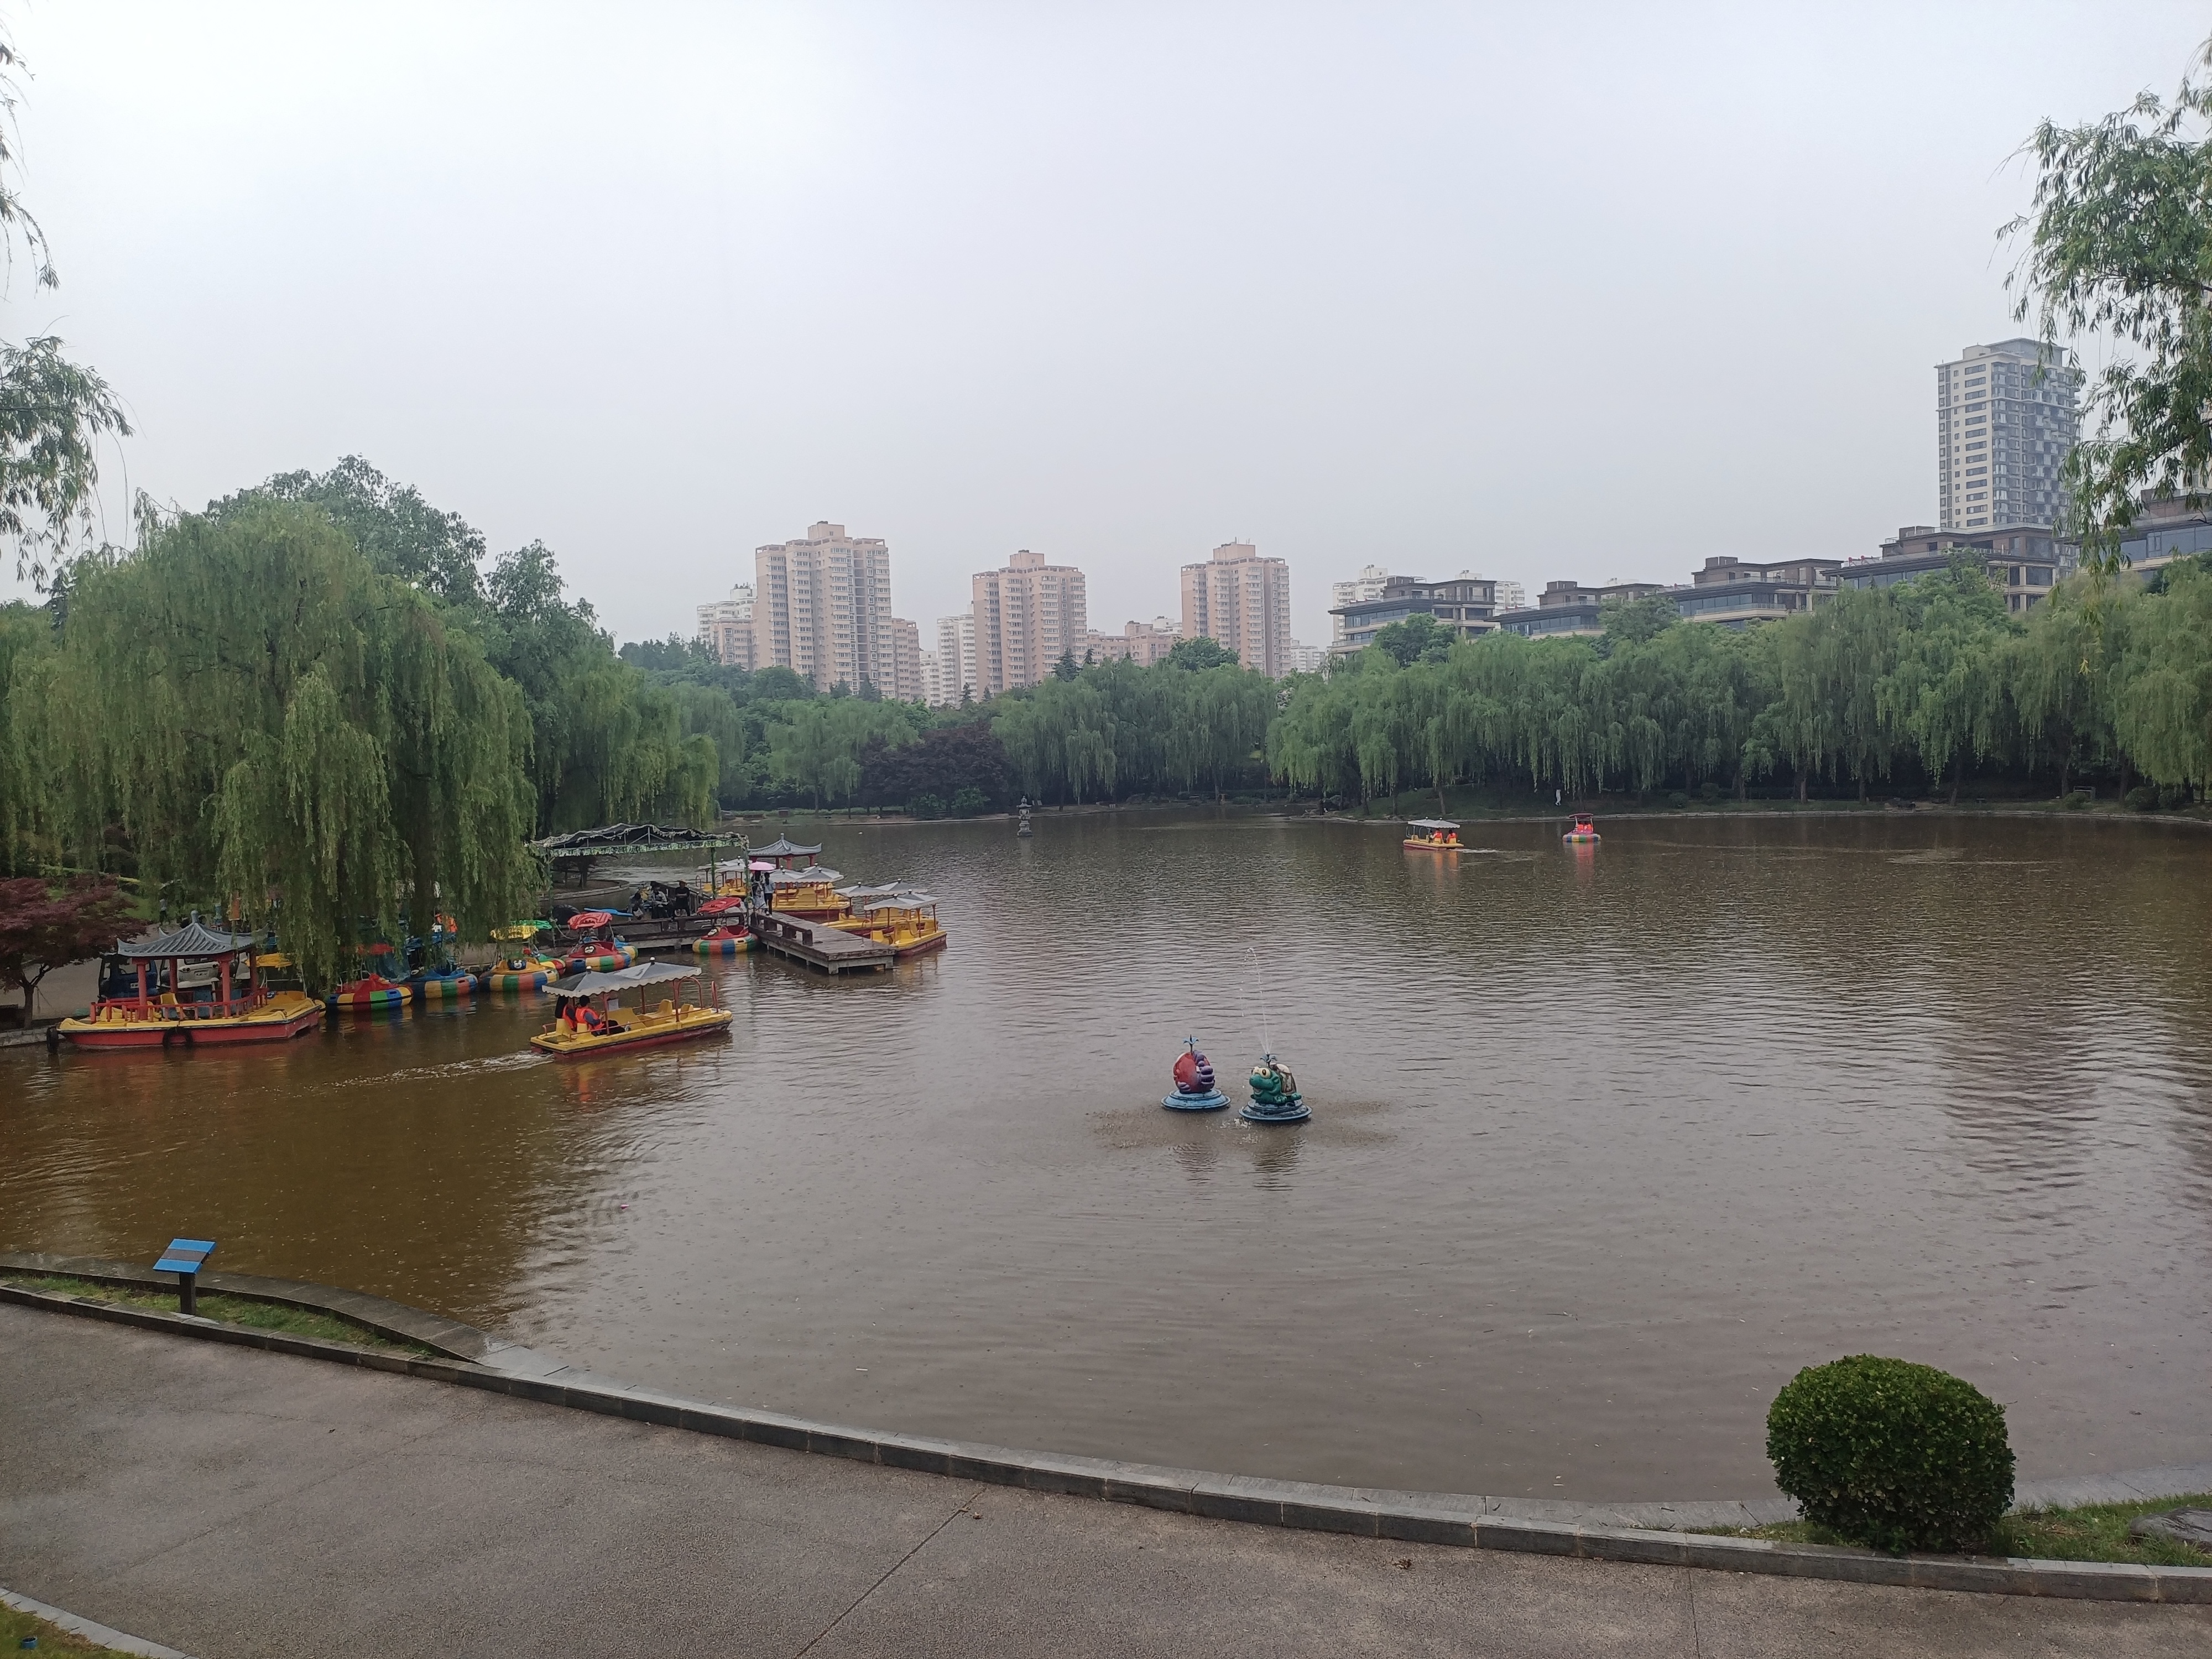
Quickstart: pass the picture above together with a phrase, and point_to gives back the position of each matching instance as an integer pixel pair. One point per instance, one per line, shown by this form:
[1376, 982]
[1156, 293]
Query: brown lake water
[1606, 1143]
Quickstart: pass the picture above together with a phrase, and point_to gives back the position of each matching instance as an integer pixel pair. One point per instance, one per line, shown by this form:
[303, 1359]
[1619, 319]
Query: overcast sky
[1538, 291]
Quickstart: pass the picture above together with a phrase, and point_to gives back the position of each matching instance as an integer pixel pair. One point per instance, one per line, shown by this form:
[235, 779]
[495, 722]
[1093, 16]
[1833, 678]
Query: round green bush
[1891, 1453]
[2142, 798]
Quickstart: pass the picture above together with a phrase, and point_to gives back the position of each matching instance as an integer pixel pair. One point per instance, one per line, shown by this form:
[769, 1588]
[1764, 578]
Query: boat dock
[820, 945]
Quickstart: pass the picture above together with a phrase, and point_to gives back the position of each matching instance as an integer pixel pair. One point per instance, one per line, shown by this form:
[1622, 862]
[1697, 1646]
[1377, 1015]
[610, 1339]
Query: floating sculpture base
[1211, 1100]
[1291, 1110]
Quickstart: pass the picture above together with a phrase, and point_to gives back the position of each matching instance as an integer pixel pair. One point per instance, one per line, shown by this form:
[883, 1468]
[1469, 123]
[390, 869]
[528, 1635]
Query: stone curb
[1464, 1521]
[85, 1630]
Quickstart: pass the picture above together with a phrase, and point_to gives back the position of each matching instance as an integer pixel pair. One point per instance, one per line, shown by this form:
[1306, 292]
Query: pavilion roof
[190, 940]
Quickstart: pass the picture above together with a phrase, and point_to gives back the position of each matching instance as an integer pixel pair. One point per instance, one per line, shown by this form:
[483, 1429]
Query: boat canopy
[882, 889]
[623, 979]
[813, 875]
[910, 900]
[630, 837]
[715, 907]
[190, 940]
[1430, 824]
[784, 847]
[590, 918]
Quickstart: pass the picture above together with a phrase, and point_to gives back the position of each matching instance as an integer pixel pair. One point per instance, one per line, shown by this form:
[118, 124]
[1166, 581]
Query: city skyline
[1033, 369]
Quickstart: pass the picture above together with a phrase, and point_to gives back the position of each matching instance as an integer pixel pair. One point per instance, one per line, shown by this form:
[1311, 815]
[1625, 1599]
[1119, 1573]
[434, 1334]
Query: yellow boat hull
[633, 1030]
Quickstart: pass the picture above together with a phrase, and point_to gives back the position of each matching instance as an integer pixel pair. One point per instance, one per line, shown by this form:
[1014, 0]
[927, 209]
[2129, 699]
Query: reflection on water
[1607, 1142]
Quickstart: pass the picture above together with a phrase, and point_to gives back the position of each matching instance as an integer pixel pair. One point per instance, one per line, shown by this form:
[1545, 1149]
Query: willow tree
[2118, 241]
[277, 731]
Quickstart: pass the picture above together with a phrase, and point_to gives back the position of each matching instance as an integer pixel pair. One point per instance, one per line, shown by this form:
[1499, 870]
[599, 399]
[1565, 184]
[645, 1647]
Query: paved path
[232, 1503]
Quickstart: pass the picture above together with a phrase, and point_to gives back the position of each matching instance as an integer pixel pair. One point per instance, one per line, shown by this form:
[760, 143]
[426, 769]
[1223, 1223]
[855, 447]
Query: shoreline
[1652, 1532]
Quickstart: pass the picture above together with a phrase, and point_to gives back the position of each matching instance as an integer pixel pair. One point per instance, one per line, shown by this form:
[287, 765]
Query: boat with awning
[594, 1020]
[193, 986]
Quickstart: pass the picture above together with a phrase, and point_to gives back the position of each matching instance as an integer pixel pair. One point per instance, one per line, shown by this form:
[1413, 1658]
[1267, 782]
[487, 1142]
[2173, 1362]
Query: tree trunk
[2066, 773]
[1802, 781]
[1958, 771]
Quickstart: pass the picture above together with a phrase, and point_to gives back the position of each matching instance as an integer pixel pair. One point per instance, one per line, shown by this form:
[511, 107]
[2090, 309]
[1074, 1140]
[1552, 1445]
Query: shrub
[1708, 791]
[925, 807]
[2142, 798]
[1891, 1453]
[2074, 800]
[2170, 795]
[1678, 800]
[968, 802]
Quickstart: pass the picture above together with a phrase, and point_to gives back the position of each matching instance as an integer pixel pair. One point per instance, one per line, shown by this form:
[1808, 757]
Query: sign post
[183, 1258]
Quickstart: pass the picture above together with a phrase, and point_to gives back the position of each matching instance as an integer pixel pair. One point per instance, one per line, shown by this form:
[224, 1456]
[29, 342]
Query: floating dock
[818, 945]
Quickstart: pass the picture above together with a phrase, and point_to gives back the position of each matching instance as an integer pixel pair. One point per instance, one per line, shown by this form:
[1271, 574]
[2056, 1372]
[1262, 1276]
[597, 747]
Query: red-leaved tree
[42, 927]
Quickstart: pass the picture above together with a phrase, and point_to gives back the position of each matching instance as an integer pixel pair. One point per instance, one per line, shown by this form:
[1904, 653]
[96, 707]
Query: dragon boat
[1193, 1082]
[1274, 1094]
[1585, 830]
[194, 986]
[585, 1027]
[1435, 835]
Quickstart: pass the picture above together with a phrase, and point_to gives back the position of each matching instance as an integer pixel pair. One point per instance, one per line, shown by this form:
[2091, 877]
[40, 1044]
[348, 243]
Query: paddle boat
[1436, 835]
[373, 989]
[522, 973]
[1274, 1094]
[445, 981]
[810, 894]
[1193, 1082]
[731, 936]
[905, 920]
[1585, 830]
[597, 949]
[593, 1020]
[194, 986]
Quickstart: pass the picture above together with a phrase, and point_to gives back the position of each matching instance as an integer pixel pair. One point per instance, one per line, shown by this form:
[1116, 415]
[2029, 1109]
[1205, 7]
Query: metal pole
[188, 1300]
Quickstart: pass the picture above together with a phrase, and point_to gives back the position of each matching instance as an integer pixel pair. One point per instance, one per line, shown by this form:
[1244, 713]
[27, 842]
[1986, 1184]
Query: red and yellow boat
[585, 1027]
[196, 986]
[597, 948]
[903, 919]
[810, 894]
[1433, 834]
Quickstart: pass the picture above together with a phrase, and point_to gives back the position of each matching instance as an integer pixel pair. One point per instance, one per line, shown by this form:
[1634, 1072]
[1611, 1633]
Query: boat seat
[667, 1008]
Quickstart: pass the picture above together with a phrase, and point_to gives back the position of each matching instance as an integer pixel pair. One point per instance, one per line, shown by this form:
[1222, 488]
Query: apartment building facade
[725, 627]
[1028, 616]
[1241, 601]
[956, 680]
[1465, 603]
[2006, 416]
[821, 608]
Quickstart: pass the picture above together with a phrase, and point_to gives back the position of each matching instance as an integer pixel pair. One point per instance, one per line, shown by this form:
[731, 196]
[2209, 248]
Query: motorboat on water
[593, 1020]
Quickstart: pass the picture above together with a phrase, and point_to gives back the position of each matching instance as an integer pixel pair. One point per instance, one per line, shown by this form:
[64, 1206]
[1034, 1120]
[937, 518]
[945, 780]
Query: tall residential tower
[2005, 417]
[1027, 618]
[1241, 600]
[821, 608]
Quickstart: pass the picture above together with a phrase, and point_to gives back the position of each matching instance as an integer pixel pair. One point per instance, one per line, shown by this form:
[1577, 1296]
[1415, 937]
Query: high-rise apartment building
[2005, 415]
[956, 659]
[821, 608]
[932, 682]
[1367, 585]
[1027, 618]
[906, 661]
[725, 627]
[1243, 601]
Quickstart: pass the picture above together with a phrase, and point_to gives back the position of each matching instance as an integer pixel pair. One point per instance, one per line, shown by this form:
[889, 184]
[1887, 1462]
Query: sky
[1580, 291]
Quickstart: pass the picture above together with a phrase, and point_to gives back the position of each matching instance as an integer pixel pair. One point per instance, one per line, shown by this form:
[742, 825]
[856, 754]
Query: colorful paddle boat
[594, 1021]
[1435, 834]
[522, 973]
[595, 948]
[193, 986]
[1193, 1082]
[1274, 1094]
[730, 937]
[373, 991]
[1585, 830]
[445, 982]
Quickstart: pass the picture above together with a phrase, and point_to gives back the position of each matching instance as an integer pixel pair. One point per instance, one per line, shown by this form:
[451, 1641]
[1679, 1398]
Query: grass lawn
[229, 1310]
[2093, 1532]
[52, 1639]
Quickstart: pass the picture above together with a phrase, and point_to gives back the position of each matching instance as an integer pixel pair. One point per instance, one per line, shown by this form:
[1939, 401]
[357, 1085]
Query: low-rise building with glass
[2023, 562]
[1465, 603]
[1569, 609]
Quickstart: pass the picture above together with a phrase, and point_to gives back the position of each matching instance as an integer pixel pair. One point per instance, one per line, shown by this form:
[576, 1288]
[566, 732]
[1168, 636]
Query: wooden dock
[818, 945]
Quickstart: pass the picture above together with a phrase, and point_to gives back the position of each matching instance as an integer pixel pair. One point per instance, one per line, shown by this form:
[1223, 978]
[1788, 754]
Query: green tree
[274, 729]
[1419, 638]
[1634, 622]
[2118, 241]
[1200, 653]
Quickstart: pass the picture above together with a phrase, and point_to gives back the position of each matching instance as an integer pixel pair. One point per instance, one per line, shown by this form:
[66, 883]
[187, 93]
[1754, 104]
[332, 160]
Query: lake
[1606, 1143]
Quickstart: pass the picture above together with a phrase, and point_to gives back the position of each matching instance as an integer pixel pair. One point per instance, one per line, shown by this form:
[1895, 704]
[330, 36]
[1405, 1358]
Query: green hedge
[1891, 1453]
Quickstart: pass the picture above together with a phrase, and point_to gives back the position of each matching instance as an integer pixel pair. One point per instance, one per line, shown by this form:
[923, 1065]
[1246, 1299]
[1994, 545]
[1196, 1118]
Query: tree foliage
[42, 927]
[271, 729]
[2118, 241]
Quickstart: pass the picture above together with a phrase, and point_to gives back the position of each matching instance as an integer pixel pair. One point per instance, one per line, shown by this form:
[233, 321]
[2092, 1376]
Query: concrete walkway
[230, 1502]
